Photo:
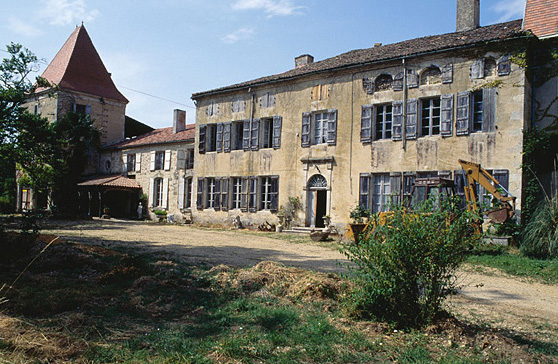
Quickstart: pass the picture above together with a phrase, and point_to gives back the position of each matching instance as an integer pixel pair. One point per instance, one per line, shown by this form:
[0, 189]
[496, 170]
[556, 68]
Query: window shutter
[397, 120]
[138, 162]
[446, 121]
[201, 143]
[332, 127]
[217, 196]
[165, 193]
[398, 82]
[489, 109]
[412, 79]
[151, 192]
[252, 203]
[227, 137]
[305, 135]
[246, 135]
[87, 109]
[124, 163]
[255, 137]
[447, 73]
[274, 205]
[199, 199]
[152, 161]
[244, 197]
[366, 124]
[504, 65]
[219, 142]
[477, 69]
[225, 194]
[411, 131]
[364, 190]
[181, 159]
[263, 101]
[181, 193]
[277, 125]
[395, 188]
[167, 160]
[271, 101]
[368, 85]
[463, 113]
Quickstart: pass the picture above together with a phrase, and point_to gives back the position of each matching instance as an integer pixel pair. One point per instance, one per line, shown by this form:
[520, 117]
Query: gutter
[351, 66]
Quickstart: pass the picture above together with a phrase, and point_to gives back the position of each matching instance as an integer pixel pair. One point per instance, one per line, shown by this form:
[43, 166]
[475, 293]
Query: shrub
[406, 266]
[540, 236]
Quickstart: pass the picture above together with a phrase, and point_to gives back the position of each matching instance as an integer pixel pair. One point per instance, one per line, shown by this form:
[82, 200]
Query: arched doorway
[316, 199]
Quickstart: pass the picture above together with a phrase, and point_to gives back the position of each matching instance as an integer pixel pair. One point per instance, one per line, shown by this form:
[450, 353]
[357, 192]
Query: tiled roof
[112, 181]
[78, 67]
[388, 52]
[158, 136]
[541, 17]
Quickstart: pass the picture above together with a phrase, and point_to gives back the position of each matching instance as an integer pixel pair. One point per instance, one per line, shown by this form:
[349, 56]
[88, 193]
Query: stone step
[301, 230]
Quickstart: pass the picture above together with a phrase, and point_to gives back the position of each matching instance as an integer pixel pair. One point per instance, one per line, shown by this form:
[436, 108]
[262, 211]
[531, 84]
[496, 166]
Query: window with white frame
[319, 128]
[381, 190]
[383, 121]
[158, 192]
[430, 116]
[236, 195]
[188, 192]
[212, 193]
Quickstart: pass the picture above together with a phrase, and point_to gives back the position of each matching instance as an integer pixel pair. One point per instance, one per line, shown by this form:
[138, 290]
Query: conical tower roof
[78, 67]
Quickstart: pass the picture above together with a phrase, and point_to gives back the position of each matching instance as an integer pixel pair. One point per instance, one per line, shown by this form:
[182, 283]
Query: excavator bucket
[499, 216]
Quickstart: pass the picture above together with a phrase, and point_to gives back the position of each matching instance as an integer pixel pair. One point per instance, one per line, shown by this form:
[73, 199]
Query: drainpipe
[405, 95]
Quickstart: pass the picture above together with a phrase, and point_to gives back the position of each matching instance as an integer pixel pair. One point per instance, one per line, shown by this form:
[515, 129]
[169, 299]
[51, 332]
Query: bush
[540, 236]
[405, 268]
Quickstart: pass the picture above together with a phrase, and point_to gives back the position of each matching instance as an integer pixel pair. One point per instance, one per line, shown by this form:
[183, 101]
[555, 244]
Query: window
[211, 138]
[383, 122]
[238, 105]
[237, 133]
[266, 130]
[82, 109]
[189, 158]
[267, 100]
[212, 193]
[269, 189]
[237, 192]
[131, 162]
[158, 192]
[212, 109]
[430, 117]
[319, 128]
[188, 193]
[36, 109]
[477, 111]
[159, 160]
[381, 190]
[320, 92]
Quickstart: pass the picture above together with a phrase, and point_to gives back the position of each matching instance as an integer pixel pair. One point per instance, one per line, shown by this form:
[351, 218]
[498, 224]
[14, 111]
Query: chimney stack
[178, 121]
[303, 60]
[468, 15]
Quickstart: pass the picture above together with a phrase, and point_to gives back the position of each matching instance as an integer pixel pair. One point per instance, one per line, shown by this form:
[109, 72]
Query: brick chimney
[541, 17]
[468, 15]
[178, 121]
[303, 60]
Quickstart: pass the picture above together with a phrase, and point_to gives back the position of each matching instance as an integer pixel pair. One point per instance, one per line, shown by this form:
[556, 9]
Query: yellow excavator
[440, 188]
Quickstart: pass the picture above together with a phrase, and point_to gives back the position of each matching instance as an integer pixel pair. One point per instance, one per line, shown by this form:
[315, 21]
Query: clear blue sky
[173, 48]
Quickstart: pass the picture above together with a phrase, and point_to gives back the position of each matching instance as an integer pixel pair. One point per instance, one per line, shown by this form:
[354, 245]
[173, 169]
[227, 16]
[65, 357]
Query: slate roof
[158, 136]
[78, 67]
[111, 181]
[541, 17]
[408, 48]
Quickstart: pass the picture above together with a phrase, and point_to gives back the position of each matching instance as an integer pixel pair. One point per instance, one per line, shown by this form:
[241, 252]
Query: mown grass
[511, 262]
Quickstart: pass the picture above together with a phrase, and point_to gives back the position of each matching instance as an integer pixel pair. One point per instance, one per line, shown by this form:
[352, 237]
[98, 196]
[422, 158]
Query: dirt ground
[488, 298]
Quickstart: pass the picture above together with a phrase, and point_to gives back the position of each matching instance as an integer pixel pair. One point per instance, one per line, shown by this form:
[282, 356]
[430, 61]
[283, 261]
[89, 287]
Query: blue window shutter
[255, 136]
[397, 120]
[201, 144]
[366, 124]
[332, 127]
[227, 137]
[446, 121]
[463, 119]
[411, 129]
[274, 193]
[224, 194]
[305, 135]
[277, 125]
[219, 142]
[199, 200]
[489, 109]
[246, 135]
[447, 73]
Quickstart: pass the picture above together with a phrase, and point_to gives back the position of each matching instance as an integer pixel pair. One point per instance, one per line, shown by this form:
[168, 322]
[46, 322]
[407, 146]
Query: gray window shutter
[398, 82]
[366, 124]
[489, 109]
[219, 142]
[225, 194]
[277, 125]
[181, 159]
[411, 130]
[477, 69]
[253, 194]
[305, 135]
[227, 137]
[244, 197]
[263, 101]
[271, 101]
[397, 120]
[368, 85]
[274, 193]
[395, 187]
[246, 135]
[332, 127]
[203, 129]
[412, 79]
[255, 136]
[463, 113]
[446, 121]
[217, 203]
[504, 65]
[447, 73]
[199, 199]
[364, 190]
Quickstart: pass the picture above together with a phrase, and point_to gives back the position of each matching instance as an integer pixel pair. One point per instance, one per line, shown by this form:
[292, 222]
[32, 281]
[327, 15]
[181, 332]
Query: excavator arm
[476, 174]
